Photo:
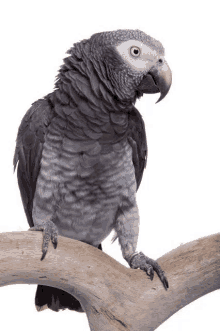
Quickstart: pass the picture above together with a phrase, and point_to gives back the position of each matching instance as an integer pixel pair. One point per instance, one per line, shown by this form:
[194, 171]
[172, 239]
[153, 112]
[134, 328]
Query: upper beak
[158, 79]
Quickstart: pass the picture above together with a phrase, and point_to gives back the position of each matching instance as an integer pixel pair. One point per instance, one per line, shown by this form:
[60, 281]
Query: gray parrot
[81, 150]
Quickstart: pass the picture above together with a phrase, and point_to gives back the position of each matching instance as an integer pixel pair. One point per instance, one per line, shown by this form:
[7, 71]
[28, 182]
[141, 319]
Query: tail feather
[56, 299]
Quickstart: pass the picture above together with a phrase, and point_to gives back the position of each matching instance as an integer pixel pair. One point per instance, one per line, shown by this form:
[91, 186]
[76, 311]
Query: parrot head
[134, 63]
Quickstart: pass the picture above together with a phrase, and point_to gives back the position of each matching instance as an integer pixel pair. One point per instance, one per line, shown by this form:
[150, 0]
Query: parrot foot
[139, 260]
[50, 233]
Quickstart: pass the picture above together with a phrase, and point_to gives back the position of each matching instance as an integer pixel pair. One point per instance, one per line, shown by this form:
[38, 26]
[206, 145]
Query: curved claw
[165, 282]
[149, 270]
[43, 255]
[149, 266]
[50, 233]
[54, 243]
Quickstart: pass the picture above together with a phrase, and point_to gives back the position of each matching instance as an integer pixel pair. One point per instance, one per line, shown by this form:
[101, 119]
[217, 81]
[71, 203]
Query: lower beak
[158, 79]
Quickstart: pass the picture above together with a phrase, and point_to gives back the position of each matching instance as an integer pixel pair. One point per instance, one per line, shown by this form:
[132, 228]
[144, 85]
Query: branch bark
[113, 296]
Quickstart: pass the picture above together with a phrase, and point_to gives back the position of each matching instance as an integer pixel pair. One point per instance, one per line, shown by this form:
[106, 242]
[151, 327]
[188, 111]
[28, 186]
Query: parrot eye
[135, 51]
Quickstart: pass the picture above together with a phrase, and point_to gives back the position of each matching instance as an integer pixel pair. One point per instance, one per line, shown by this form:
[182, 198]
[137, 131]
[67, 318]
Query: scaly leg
[127, 228]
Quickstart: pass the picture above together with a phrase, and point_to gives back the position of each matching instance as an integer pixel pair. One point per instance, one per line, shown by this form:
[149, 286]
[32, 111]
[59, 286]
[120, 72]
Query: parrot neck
[86, 98]
[94, 80]
[87, 116]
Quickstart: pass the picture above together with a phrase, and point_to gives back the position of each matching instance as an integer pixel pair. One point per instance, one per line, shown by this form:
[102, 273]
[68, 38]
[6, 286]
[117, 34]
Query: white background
[180, 192]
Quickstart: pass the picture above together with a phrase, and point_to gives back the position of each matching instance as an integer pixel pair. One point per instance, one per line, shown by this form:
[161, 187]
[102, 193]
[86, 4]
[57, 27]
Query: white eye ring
[135, 51]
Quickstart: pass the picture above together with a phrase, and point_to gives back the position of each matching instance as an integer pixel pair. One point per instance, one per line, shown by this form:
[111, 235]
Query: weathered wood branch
[113, 296]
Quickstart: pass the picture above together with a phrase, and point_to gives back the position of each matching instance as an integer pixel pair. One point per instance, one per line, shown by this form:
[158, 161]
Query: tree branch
[113, 296]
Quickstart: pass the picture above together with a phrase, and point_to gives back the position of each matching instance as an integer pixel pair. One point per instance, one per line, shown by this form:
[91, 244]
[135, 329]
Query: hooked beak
[158, 79]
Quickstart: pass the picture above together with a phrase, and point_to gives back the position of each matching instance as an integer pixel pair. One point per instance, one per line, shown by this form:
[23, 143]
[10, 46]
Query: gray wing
[138, 141]
[28, 152]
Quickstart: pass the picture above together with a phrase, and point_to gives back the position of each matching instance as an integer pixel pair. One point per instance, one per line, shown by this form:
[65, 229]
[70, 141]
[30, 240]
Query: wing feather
[28, 151]
[138, 141]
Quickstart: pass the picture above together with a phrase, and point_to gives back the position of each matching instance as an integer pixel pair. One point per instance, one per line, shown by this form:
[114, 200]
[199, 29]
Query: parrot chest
[80, 187]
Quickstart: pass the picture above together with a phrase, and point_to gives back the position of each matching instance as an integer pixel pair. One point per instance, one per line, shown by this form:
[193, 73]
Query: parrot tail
[55, 299]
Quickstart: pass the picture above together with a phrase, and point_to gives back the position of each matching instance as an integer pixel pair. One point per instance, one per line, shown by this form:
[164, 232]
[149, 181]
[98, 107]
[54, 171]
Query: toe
[54, 241]
[54, 237]
[149, 270]
[44, 252]
[46, 240]
[162, 276]
[50, 232]
[164, 282]
[149, 266]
